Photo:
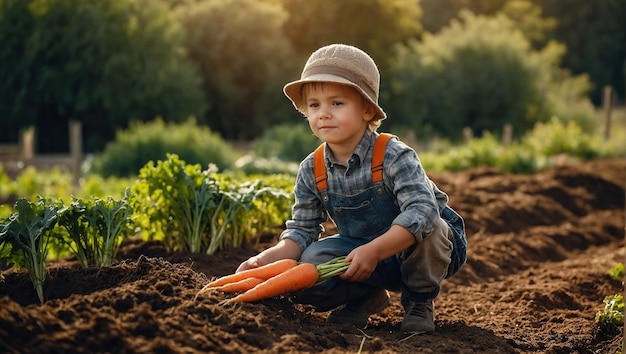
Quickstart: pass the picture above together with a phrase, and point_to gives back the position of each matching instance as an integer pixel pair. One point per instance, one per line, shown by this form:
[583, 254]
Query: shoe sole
[417, 332]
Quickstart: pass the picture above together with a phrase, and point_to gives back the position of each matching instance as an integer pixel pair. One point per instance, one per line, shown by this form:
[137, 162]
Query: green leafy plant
[270, 207]
[197, 210]
[617, 272]
[245, 209]
[54, 184]
[95, 228]
[174, 197]
[230, 202]
[548, 143]
[558, 136]
[5, 257]
[28, 231]
[613, 314]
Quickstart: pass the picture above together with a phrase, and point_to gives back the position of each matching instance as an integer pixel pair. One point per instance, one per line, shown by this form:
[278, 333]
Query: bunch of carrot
[277, 278]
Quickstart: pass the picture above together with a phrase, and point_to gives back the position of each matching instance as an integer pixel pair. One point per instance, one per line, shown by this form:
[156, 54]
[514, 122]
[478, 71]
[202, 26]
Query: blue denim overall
[417, 271]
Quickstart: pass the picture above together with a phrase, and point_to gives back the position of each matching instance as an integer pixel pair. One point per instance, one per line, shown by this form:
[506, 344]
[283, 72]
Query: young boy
[398, 234]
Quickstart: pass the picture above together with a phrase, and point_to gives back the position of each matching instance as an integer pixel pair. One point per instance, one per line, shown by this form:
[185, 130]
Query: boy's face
[337, 114]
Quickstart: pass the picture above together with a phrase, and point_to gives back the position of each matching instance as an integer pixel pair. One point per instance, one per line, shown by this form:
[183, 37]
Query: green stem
[331, 268]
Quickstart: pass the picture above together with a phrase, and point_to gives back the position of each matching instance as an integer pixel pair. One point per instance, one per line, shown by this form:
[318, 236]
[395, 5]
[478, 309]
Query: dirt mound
[539, 250]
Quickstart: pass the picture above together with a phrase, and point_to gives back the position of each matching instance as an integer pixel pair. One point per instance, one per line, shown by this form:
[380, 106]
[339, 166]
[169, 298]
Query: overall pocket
[364, 215]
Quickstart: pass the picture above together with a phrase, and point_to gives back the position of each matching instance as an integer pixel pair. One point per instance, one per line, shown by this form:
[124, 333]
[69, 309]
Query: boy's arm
[365, 258]
[304, 226]
[414, 192]
[285, 248]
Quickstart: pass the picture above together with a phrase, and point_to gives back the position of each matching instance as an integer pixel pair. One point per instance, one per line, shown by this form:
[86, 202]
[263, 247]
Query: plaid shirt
[419, 199]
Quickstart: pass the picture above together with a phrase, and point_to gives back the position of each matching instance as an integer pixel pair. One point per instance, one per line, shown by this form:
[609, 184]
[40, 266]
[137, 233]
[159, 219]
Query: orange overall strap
[379, 154]
[319, 164]
[319, 167]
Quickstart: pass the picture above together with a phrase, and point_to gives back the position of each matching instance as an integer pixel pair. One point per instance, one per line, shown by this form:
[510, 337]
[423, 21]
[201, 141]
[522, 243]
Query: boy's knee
[325, 250]
[316, 255]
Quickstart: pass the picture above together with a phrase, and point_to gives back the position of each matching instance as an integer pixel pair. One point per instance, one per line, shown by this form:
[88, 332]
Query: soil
[540, 247]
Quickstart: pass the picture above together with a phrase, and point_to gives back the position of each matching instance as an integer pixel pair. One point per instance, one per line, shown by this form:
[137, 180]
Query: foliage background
[103, 63]
[445, 64]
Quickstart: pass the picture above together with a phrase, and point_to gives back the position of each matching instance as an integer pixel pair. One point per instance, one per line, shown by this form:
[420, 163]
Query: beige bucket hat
[342, 64]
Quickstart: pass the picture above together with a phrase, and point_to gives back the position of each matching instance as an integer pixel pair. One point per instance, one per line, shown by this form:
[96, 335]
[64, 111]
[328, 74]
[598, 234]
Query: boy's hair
[372, 125]
[342, 64]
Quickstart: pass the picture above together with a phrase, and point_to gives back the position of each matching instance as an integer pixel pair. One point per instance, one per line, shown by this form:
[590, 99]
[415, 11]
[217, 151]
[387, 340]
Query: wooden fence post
[507, 135]
[76, 149]
[27, 148]
[608, 92]
[467, 134]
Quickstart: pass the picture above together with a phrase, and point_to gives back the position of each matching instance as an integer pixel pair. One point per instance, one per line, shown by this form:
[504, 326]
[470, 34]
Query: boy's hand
[252, 262]
[365, 258]
[283, 249]
[363, 261]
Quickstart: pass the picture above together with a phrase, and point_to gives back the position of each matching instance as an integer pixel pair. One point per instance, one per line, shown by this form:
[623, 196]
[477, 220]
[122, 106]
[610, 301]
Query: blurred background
[111, 84]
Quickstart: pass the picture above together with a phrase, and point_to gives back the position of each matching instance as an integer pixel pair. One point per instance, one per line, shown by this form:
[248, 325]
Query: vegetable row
[188, 208]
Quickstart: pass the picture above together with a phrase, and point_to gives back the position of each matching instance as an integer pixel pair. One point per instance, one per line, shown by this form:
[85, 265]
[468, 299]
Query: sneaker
[418, 317]
[357, 313]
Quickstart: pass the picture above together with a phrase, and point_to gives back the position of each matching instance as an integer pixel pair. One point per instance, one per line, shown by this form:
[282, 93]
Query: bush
[538, 149]
[7, 190]
[476, 152]
[557, 137]
[482, 73]
[254, 165]
[288, 142]
[144, 142]
[518, 159]
[54, 184]
[97, 186]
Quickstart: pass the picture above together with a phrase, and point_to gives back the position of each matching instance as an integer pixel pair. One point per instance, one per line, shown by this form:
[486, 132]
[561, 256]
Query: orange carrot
[302, 276]
[264, 272]
[242, 285]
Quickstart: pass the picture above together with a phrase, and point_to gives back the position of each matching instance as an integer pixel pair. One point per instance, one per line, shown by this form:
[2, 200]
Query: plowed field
[540, 247]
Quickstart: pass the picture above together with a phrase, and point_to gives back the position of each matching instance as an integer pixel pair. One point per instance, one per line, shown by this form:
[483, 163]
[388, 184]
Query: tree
[244, 59]
[481, 73]
[439, 13]
[99, 62]
[592, 31]
[529, 19]
[595, 35]
[376, 26]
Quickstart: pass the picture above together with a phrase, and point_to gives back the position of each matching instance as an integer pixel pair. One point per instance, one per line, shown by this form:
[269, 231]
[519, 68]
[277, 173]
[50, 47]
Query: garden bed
[540, 247]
